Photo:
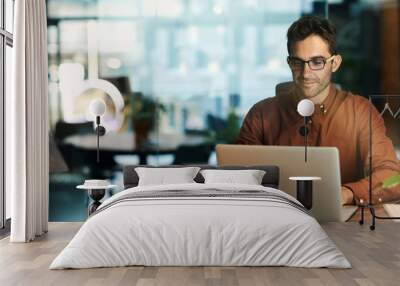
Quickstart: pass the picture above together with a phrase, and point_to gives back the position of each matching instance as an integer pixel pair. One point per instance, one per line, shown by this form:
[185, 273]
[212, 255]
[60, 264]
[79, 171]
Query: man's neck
[318, 99]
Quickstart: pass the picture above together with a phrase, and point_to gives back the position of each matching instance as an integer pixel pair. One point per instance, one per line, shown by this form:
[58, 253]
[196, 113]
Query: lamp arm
[100, 131]
[98, 138]
[305, 138]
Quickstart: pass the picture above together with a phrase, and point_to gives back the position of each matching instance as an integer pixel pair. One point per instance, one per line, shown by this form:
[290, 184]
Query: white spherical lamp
[305, 107]
[97, 107]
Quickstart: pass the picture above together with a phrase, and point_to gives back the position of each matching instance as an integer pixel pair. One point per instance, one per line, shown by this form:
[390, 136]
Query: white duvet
[200, 231]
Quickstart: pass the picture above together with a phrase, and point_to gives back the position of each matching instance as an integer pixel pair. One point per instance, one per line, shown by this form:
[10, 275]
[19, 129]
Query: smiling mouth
[308, 83]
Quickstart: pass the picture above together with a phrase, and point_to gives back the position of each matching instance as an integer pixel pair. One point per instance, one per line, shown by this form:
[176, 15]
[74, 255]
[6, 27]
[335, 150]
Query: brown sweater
[345, 125]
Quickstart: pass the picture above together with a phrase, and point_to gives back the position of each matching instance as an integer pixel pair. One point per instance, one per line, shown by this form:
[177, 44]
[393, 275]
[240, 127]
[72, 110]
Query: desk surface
[125, 141]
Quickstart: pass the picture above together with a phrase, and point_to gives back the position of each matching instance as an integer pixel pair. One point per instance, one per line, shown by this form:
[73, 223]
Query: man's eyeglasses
[317, 63]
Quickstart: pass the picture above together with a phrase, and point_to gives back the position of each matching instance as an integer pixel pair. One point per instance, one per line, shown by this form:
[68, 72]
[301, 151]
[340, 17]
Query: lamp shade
[305, 107]
[97, 107]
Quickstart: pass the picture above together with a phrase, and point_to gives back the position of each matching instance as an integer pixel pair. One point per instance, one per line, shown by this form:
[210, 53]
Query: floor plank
[374, 255]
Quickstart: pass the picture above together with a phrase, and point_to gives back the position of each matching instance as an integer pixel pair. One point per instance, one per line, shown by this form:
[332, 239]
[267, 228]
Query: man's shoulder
[355, 106]
[266, 104]
[356, 100]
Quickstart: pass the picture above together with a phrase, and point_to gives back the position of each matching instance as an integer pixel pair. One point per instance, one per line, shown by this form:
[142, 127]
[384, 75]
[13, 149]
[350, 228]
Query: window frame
[6, 39]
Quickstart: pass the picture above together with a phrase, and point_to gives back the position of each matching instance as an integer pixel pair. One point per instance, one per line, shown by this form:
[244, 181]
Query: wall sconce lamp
[97, 107]
[305, 108]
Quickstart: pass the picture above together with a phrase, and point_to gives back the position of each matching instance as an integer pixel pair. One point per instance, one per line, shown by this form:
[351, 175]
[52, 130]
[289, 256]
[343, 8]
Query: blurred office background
[188, 71]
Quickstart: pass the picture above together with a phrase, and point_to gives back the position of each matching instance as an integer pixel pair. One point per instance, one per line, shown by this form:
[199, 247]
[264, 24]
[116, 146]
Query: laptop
[321, 162]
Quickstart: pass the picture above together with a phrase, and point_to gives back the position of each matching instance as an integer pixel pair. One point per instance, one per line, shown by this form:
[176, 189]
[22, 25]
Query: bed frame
[270, 179]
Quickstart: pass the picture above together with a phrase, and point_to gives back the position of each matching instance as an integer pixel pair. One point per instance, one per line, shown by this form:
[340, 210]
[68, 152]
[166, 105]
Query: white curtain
[27, 124]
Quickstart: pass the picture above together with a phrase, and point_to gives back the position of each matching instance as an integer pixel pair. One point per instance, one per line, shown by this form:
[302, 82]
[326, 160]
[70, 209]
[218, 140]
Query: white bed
[185, 230]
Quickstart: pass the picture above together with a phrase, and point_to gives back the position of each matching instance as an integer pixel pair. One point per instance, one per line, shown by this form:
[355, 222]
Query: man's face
[312, 82]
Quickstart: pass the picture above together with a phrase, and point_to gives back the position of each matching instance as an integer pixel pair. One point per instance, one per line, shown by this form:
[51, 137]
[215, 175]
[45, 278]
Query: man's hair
[311, 25]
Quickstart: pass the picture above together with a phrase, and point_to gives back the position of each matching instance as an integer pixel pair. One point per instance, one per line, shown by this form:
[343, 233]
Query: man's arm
[384, 160]
[347, 196]
[252, 129]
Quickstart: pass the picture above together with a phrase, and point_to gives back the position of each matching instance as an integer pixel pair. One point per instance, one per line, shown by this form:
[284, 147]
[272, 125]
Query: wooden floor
[374, 255]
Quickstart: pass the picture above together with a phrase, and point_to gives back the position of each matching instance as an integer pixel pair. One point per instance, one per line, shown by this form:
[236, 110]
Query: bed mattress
[201, 225]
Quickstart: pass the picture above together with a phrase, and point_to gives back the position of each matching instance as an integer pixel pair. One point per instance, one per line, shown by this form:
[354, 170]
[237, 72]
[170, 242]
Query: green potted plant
[232, 129]
[142, 112]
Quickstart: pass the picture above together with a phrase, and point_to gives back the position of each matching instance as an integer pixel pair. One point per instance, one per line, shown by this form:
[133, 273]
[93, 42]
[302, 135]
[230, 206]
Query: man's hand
[347, 196]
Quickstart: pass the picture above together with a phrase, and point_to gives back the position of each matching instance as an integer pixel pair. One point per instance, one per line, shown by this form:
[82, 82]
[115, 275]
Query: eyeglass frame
[303, 62]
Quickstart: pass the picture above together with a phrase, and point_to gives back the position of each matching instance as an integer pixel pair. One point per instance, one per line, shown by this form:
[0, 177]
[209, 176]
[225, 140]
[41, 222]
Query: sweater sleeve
[384, 160]
[251, 132]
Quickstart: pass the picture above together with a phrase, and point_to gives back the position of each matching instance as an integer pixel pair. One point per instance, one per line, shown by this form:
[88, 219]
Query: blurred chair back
[56, 160]
[284, 87]
[192, 154]
[215, 123]
[75, 158]
[64, 129]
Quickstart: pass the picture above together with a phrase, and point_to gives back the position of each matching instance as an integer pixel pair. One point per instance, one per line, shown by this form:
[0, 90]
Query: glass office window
[68, 8]
[1, 14]
[180, 51]
[9, 9]
[2, 137]
[6, 29]
[8, 88]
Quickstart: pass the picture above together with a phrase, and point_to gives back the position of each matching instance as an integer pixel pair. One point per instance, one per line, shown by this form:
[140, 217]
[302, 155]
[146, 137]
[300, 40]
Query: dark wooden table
[123, 143]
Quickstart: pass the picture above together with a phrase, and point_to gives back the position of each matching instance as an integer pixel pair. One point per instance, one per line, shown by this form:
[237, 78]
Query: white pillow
[248, 177]
[163, 176]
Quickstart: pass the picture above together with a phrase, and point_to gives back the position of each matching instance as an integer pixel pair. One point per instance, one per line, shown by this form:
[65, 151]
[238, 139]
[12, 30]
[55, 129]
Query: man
[341, 119]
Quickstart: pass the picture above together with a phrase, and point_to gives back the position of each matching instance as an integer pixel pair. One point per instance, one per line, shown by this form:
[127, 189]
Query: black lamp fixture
[97, 107]
[305, 108]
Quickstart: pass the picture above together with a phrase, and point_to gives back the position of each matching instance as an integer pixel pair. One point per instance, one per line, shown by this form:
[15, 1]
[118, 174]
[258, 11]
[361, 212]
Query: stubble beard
[314, 92]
